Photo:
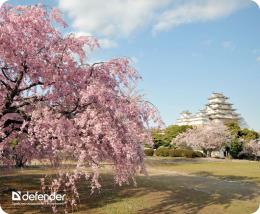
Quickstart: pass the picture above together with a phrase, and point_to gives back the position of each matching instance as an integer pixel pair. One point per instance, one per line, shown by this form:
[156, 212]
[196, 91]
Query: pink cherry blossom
[253, 147]
[208, 138]
[59, 107]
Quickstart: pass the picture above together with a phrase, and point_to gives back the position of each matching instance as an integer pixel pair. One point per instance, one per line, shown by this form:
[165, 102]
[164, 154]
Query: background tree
[240, 137]
[208, 138]
[244, 134]
[248, 135]
[253, 147]
[235, 148]
[158, 138]
[173, 131]
[165, 136]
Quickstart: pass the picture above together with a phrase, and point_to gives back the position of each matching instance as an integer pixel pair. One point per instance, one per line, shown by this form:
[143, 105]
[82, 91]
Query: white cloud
[80, 33]
[104, 42]
[258, 59]
[111, 17]
[197, 11]
[121, 18]
[107, 43]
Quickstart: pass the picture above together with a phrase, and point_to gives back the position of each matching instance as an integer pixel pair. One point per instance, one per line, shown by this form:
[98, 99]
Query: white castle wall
[218, 109]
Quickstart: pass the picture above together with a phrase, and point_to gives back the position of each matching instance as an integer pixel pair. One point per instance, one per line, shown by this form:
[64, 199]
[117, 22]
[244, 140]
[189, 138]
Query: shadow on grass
[228, 178]
[175, 160]
[176, 194]
[189, 194]
[164, 193]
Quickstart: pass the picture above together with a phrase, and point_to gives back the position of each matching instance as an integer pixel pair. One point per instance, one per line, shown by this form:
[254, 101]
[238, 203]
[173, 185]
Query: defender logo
[18, 196]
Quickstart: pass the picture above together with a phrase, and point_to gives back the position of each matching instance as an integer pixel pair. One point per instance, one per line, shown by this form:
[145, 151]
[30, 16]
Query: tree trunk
[209, 154]
[19, 163]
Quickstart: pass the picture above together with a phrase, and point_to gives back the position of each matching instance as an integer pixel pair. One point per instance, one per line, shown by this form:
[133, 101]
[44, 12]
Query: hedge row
[149, 152]
[169, 152]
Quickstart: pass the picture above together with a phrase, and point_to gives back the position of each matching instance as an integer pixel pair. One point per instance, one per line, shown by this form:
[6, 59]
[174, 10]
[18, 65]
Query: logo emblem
[16, 196]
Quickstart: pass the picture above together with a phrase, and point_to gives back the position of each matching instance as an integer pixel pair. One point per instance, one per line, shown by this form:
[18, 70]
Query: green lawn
[173, 186]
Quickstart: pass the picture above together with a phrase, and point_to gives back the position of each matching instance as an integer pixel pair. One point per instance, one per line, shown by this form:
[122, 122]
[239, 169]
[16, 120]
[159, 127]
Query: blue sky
[184, 49]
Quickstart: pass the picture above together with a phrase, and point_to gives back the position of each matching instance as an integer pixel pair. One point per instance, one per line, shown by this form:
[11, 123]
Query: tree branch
[5, 75]
[30, 86]
[6, 85]
[34, 99]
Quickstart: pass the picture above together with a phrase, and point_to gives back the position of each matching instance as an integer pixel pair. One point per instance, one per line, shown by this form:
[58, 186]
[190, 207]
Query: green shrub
[188, 153]
[149, 152]
[236, 147]
[162, 151]
[158, 139]
[198, 154]
[246, 155]
[176, 153]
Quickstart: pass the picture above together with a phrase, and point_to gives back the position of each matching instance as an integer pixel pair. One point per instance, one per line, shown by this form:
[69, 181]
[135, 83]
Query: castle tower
[218, 109]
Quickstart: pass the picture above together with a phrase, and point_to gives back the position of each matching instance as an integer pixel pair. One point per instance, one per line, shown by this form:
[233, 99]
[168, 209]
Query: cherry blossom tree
[208, 138]
[253, 147]
[57, 105]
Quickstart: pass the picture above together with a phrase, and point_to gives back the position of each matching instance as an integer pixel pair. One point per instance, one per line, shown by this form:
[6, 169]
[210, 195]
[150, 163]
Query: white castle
[218, 109]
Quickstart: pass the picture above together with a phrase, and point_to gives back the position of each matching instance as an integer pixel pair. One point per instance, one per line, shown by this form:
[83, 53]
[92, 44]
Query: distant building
[218, 109]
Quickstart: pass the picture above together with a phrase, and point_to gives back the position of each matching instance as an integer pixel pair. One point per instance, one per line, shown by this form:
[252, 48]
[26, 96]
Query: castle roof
[215, 95]
[217, 108]
[219, 103]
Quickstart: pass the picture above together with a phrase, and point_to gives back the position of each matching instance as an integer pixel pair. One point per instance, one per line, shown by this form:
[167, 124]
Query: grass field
[173, 186]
